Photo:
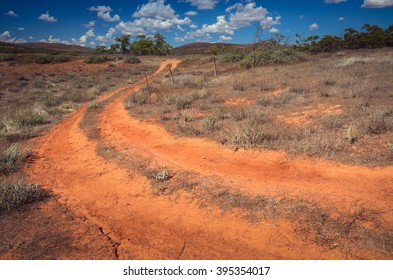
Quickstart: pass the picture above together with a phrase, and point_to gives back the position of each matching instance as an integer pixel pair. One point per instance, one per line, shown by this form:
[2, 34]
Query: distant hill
[206, 48]
[38, 47]
[58, 47]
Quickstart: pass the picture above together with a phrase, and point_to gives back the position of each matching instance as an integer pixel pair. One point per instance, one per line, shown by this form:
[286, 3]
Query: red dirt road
[142, 225]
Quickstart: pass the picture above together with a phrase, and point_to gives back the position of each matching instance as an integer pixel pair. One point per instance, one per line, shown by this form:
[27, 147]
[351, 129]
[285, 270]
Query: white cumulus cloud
[152, 17]
[225, 38]
[100, 9]
[237, 16]
[377, 3]
[107, 16]
[191, 13]
[5, 35]
[155, 9]
[46, 17]
[104, 12]
[88, 34]
[21, 28]
[274, 30]
[202, 4]
[11, 14]
[90, 24]
[313, 26]
[108, 36]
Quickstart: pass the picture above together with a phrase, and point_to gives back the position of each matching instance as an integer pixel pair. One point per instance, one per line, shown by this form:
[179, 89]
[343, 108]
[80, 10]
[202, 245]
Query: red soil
[147, 226]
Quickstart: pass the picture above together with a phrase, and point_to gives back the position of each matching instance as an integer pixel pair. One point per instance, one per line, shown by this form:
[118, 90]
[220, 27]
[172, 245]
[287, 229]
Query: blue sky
[93, 23]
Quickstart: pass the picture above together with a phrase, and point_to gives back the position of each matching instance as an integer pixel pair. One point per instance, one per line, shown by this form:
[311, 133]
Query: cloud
[107, 16]
[334, 1]
[21, 28]
[341, 18]
[100, 9]
[5, 36]
[11, 14]
[179, 39]
[92, 43]
[237, 16]
[180, 28]
[155, 9]
[91, 24]
[46, 17]
[88, 34]
[313, 26]
[153, 16]
[191, 13]
[31, 37]
[377, 3]
[104, 12]
[301, 17]
[225, 38]
[274, 30]
[202, 4]
[55, 40]
[108, 36]
[194, 26]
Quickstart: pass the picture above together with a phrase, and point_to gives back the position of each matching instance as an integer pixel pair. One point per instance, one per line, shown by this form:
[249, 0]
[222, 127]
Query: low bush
[132, 60]
[43, 58]
[275, 55]
[11, 159]
[61, 58]
[6, 57]
[14, 195]
[93, 59]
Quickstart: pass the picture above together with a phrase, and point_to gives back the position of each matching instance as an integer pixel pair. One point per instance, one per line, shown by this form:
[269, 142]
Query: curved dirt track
[142, 225]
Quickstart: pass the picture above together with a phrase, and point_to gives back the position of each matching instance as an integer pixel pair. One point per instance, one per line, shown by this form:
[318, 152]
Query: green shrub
[43, 58]
[210, 123]
[12, 159]
[16, 194]
[93, 59]
[162, 176]
[138, 98]
[61, 58]
[6, 57]
[132, 60]
[182, 101]
[94, 105]
[234, 57]
[273, 55]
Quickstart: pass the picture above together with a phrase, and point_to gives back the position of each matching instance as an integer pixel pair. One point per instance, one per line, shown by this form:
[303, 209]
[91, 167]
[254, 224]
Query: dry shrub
[14, 195]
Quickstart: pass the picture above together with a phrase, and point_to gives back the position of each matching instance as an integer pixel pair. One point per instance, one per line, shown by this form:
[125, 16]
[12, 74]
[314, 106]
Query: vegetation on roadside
[12, 159]
[327, 106]
[14, 195]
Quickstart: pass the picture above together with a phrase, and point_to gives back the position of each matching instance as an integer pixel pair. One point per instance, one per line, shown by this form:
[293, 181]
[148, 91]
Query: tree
[100, 50]
[124, 42]
[162, 47]
[389, 36]
[147, 45]
[330, 43]
[114, 48]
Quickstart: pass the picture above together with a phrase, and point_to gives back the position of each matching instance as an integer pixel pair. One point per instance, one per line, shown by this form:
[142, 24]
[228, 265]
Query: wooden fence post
[170, 72]
[215, 67]
[147, 84]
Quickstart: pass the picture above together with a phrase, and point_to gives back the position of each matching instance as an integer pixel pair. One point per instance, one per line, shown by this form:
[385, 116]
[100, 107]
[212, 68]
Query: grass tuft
[12, 159]
[14, 195]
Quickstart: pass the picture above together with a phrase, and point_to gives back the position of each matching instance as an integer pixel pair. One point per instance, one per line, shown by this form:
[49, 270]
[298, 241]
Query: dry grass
[33, 96]
[305, 108]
